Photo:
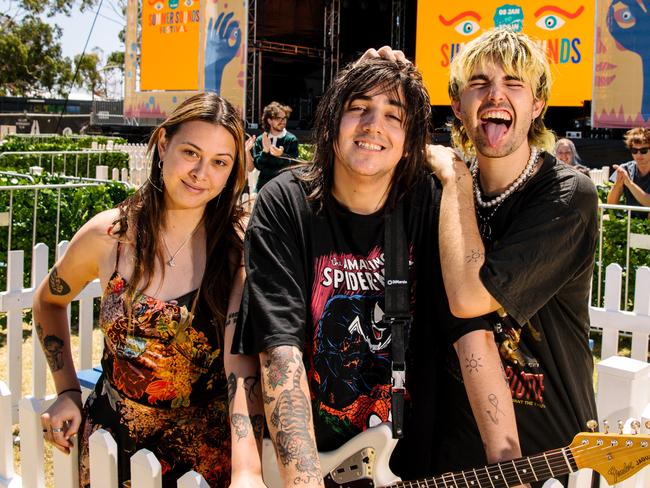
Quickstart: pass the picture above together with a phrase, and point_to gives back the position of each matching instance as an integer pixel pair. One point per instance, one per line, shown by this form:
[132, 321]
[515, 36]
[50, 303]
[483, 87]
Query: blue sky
[76, 28]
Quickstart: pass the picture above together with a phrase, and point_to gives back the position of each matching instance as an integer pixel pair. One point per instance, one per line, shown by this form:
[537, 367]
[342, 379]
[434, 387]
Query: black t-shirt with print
[538, 266]
[315, 280]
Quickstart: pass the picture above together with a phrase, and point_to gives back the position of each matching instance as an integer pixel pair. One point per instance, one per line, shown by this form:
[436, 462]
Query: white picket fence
[623, 384]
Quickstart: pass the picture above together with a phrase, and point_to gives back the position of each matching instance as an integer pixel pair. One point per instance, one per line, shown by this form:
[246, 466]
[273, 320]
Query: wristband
[78, 390]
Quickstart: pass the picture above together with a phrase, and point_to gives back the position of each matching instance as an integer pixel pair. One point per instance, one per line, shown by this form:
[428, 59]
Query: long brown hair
[142, 214]
[400, 79]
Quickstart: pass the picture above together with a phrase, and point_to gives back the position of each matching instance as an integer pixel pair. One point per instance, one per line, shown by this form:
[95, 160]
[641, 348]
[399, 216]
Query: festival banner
[621, 96]
[564, 29]
[202, 48]
[169, 55]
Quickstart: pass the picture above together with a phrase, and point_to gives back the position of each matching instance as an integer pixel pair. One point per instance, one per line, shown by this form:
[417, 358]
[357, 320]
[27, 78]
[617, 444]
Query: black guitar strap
[397, 311]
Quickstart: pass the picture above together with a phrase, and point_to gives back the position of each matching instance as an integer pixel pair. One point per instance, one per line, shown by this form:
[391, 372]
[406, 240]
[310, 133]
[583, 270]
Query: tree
[32, 61]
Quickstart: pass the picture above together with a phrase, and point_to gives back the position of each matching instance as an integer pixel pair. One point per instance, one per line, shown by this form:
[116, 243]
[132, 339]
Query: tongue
[494, 132]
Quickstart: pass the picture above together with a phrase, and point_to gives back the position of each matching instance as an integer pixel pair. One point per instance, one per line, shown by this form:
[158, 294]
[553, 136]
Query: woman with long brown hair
[169, 262]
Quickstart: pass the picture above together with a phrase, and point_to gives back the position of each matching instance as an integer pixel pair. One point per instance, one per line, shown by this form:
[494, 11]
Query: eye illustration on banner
[156, 4]
[223, 39]
[465, 23]
[552, 17]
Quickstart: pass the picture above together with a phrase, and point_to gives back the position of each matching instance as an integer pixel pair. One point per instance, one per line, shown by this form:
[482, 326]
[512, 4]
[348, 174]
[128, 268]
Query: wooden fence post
[192, 479]
[7, 476]
[641, 307]
[39, 368]
[31, 443]
[146, 471]
[613, 280]
[103, 460]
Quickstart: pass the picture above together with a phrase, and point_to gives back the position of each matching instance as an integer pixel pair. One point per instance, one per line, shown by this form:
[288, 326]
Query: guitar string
[482, 474]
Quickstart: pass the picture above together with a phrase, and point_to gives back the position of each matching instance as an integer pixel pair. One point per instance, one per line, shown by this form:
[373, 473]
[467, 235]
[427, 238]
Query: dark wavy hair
[271, 111]
[142, 214]
[374, 76]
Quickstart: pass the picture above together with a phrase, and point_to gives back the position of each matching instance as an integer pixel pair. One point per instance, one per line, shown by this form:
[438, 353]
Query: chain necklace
[171, 262]
[484, 227]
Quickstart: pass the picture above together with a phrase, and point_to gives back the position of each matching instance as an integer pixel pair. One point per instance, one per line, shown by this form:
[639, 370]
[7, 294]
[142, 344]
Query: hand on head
[384, 52]
[444, 162]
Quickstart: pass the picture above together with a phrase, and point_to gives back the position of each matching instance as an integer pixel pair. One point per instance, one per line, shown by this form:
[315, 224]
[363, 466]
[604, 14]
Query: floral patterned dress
[163, 387]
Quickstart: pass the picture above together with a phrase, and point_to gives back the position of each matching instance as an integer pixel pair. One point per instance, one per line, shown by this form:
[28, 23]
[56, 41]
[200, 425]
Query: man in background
[276, 147]
[632, 179]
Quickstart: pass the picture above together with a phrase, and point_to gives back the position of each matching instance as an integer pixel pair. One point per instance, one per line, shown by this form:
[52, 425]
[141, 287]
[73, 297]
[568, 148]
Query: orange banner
[622, 65]
[564, 29]
[170, 45]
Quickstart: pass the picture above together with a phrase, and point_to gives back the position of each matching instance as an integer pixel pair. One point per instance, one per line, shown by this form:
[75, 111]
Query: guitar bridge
[355, 471]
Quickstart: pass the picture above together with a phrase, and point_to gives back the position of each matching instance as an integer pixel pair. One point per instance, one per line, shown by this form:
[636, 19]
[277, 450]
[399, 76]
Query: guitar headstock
[616, 456]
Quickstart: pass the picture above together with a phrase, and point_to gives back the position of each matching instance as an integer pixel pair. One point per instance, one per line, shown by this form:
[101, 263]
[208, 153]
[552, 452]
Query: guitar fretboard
[502, 475]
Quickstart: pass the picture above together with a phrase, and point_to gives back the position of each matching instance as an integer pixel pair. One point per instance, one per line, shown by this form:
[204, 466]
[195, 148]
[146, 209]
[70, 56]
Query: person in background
[169, 259]
[276, 147]
[632, 179]
[565, 151]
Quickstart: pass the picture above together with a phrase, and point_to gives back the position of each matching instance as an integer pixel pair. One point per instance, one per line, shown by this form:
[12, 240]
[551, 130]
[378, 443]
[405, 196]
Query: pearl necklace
[525, 174]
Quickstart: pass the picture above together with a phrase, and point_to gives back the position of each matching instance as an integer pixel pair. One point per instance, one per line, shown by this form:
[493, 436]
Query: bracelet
[78, 390]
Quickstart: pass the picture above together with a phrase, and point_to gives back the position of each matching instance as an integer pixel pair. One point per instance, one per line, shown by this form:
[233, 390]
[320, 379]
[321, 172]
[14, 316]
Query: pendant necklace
[485, 229]
[171, 262]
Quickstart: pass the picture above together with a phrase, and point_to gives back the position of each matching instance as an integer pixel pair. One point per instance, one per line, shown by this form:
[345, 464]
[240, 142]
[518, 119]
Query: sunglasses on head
[642, 150]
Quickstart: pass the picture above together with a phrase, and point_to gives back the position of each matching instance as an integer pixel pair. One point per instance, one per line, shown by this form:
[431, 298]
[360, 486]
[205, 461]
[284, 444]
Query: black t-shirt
[315, 280]
[538, 266]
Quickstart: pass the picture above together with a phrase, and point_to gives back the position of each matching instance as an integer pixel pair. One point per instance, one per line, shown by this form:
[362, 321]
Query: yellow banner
[564, 29]
[170, 45]
[622, 64]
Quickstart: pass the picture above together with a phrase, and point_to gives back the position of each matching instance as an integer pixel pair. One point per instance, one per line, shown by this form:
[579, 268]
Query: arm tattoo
[258, 426]
[473, 364]
[232, 387]
[278, 368]
[292, 418]
[252, 387]
[53, 349]
[492, 398]
[231, 319]
[475, 256]
[243, 424]
[58, 286]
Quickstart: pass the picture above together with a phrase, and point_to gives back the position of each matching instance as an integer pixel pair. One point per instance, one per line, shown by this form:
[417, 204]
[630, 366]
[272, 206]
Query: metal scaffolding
[331, 41]
[253, 66]
[397, 24]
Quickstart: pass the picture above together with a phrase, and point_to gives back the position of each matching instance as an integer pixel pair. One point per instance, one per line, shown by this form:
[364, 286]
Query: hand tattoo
[58, 286]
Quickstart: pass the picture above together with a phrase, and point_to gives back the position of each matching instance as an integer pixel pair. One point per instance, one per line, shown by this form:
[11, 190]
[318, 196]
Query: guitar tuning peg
[592, 425]
[605, 427]
[636, 425]
[620, 426]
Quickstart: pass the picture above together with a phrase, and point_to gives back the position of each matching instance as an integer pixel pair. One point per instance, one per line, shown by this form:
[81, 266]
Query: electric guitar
[363, 462]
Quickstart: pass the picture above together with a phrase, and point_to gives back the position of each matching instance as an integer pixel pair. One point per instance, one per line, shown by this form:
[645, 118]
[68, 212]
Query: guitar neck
[503, 475]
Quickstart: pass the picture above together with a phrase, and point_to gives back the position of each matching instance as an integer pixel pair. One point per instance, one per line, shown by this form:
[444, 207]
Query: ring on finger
[57, 430]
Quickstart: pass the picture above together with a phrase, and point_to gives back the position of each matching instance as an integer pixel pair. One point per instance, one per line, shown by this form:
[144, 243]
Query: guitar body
[360, 462]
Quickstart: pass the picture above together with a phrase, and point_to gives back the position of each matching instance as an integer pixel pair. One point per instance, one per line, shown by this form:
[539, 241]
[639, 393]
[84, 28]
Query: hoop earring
[160, 167]
[162, 183]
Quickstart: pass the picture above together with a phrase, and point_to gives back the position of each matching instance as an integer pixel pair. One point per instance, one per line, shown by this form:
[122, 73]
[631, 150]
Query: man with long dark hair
[314, 301]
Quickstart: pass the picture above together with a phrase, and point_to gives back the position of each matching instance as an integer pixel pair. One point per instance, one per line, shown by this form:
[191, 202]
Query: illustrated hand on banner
[218, 49]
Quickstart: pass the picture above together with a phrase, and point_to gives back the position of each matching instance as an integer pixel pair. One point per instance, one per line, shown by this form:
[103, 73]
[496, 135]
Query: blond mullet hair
[519, 56]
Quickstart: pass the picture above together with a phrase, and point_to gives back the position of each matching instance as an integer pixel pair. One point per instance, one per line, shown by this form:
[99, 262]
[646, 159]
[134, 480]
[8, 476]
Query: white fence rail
[623, 383]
